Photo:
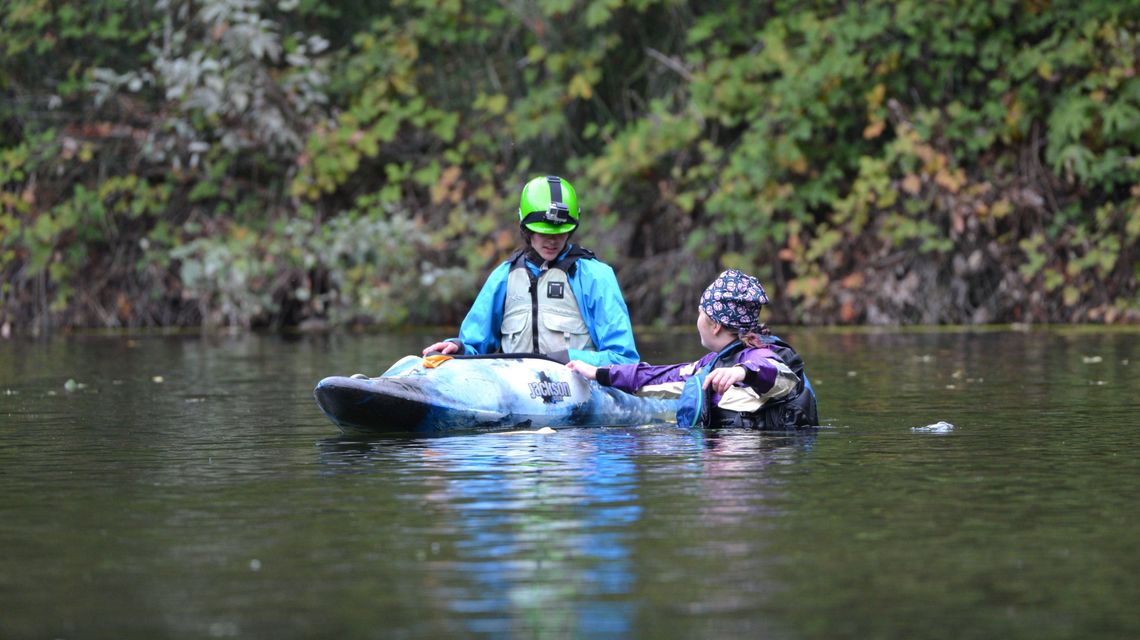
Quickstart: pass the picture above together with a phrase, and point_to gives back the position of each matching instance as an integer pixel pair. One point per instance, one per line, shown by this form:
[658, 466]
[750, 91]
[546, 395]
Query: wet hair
[753, 338]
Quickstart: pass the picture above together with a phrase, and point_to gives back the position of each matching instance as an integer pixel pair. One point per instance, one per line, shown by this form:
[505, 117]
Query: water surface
[183, 486]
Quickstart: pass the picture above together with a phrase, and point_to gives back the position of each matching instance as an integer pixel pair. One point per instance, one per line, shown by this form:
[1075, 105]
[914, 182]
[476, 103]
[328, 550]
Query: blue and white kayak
[443, 394]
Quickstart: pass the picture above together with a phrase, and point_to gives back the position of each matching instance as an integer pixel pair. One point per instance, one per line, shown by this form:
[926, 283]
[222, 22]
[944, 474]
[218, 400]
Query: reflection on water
[554, 532]
[189, 487]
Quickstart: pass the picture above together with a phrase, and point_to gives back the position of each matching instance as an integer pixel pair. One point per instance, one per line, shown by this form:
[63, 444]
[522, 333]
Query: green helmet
[549, 205]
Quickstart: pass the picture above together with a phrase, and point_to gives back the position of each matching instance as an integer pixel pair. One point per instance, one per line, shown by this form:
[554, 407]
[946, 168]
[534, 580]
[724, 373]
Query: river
[174, 486]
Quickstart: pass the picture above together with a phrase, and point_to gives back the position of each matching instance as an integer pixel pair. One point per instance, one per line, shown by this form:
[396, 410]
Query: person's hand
[721, 379]
[588, 371]
[442, 347]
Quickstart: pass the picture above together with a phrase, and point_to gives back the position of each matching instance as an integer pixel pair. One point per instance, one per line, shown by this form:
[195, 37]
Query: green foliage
[351, 269]
[265, 163]
[906, 129]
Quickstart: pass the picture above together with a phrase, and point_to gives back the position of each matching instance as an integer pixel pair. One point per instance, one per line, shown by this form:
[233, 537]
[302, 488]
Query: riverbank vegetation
[248, 163]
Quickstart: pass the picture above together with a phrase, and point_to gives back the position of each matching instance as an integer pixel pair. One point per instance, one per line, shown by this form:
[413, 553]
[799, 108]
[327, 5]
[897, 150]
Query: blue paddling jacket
[600, 300]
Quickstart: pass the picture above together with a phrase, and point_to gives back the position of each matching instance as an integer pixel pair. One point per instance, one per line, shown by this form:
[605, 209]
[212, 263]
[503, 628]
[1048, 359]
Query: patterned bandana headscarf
[734, 300]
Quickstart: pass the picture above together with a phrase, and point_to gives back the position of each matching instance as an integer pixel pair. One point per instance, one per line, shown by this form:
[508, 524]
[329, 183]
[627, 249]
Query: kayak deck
[480, 394]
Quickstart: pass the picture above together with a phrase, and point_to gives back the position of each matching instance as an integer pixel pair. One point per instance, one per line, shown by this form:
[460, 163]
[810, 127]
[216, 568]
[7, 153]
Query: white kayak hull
[488, 393]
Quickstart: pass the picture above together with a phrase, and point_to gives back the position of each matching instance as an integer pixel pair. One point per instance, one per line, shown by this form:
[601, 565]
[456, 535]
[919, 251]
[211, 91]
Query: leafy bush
[270, 163]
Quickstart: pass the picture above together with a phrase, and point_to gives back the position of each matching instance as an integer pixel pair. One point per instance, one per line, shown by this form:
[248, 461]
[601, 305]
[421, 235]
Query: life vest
[540, 312]
[796, 409]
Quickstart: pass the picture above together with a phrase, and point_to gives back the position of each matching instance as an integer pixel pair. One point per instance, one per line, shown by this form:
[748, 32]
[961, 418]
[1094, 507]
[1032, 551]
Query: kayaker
[749, 378]
[551, 296]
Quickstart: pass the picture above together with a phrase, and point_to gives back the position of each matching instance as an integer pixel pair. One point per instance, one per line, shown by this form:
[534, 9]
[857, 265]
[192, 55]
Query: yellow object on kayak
[431, 362]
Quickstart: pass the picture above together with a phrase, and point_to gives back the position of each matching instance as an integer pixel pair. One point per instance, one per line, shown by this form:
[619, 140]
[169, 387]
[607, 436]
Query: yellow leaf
[1013, 114]
[912, 184]
[580, 87]
[951, 182]
[1001, 208]
[445, 189]
[875, 96]
[497, 104]
[874, 129]
[1071, 295]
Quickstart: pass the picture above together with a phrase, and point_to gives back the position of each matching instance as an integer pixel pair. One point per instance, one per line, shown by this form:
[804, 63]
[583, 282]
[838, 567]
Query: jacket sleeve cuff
[603, 376]
[562, 356]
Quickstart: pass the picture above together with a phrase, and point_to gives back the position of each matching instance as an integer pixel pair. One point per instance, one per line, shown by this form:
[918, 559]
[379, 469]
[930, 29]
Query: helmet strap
[555, 188]
[557, 214]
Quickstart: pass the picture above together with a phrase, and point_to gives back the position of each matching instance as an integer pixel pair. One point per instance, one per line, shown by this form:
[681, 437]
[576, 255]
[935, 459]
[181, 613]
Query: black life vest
[796, 410]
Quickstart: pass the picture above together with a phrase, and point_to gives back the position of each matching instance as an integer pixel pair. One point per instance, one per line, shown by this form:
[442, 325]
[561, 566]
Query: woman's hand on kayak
[442, 347]
[588, 371]
[721, 379]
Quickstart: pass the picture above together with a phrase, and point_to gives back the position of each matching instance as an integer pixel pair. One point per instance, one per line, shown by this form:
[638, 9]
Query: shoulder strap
[787, 354]
[568, 263]
[517, 259]
[724, 355]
